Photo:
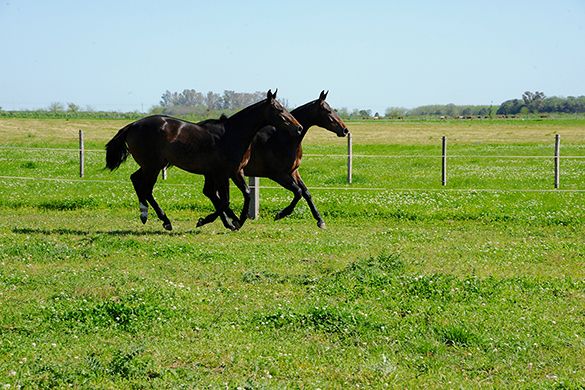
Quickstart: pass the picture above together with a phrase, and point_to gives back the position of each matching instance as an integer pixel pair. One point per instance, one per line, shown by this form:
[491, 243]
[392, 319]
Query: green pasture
[412, 285]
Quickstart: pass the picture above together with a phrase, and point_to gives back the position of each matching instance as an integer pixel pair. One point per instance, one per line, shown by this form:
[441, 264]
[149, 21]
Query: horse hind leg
[150, 182]
[144, 182]
[212, 190]
[138, 183]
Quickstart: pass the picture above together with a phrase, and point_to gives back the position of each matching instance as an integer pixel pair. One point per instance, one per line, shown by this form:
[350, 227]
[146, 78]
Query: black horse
[277, 153]
[215, 148]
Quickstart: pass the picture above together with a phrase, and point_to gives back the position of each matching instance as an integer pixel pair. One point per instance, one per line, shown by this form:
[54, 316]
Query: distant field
[412, 285]
[407, 132]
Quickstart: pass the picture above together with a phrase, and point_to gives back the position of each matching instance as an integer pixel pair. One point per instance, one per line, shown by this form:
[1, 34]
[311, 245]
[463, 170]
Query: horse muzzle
[344, 132]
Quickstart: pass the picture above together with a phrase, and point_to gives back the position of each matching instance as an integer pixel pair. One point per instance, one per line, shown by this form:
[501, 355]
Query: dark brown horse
[276, 154]
[215, 148]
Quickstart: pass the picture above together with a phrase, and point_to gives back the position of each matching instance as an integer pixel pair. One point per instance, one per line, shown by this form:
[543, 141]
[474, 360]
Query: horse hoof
[143, 218]
[321, 225]
[278, 216]
[200, 222]
[168, 226]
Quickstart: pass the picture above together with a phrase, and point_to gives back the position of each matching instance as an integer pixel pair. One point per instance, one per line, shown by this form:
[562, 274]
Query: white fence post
[557, 160]
[254, 209]
[164, 173]
[444, 164]
[349, 158]
[81, 155]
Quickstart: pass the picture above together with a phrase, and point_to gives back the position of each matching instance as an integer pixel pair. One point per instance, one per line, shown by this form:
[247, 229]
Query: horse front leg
[207, 219]
[240, 182]
[309, 199]
[288, 182]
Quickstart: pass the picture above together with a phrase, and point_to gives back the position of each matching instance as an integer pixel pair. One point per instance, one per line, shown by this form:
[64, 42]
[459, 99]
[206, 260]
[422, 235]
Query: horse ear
[323, 95]
[270, 95]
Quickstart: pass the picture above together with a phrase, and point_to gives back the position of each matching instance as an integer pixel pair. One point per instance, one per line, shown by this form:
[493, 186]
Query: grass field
[481, 283]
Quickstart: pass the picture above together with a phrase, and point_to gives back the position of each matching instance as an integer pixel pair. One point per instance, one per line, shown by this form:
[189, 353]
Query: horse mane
[213, 121]
[245, 110]
[303, 106]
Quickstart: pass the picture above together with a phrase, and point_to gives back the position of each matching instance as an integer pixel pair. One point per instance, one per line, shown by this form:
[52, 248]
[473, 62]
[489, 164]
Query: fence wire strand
[348, 188]
[76, 150]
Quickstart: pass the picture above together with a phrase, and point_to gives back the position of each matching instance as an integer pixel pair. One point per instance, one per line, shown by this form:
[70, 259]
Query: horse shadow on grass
[114, 233]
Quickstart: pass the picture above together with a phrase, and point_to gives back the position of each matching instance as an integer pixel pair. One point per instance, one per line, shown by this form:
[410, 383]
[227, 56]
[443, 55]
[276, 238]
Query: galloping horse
[276, 154]
[215, 148]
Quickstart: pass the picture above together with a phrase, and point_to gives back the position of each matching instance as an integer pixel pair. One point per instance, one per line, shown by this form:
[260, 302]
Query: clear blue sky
[122, 55]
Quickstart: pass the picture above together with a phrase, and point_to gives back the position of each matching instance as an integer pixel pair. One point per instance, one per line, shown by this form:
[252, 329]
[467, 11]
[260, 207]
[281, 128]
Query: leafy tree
[365, 113]
[396, 112]
[56, 107]
[343, 112]
[533, 100]
[72, 107]
[510, 107]
[190, 101]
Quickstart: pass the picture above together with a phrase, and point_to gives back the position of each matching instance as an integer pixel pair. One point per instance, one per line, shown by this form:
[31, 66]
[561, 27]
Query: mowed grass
[410, 286]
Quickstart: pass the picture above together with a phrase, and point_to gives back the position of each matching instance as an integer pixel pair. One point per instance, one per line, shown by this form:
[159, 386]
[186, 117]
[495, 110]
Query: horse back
[159, 140]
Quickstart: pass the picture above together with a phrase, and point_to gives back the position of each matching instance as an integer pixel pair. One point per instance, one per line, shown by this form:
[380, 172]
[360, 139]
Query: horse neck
[243, 126]
[305, 118]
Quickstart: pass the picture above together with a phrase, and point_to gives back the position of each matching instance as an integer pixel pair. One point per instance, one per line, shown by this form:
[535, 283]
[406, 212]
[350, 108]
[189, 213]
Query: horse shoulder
[298, 158]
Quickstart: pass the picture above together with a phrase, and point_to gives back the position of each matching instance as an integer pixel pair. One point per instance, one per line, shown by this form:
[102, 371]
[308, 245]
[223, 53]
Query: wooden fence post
[444, 164]
[81, 155]
[349, 158]
[254, 209]
[557, 160]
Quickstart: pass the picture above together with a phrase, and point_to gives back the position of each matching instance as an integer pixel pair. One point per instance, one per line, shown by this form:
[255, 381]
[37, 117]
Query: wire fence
[255, 187]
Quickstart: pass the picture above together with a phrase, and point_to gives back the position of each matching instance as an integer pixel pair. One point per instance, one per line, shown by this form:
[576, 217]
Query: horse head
[327, 118]
[278, 116]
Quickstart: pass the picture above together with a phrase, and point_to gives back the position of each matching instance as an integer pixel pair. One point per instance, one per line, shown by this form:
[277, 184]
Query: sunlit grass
[412, 286]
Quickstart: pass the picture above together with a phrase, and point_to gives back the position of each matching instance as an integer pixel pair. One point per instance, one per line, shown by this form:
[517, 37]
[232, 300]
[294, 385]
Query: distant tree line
[194, 105]
[193, 102]
[537, 103]
[58, 110]
[530, 103]
[446, 110]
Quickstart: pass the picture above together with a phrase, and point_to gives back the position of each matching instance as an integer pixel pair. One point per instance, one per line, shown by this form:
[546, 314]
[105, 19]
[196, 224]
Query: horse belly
[196, 162]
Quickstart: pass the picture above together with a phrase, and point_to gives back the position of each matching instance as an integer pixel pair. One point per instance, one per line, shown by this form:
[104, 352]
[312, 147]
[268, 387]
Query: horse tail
[117, 150]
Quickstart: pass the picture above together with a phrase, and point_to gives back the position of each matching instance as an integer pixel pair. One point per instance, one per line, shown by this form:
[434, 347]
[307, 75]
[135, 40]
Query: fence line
[349, 188]
[336, 155]
[254, 182]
